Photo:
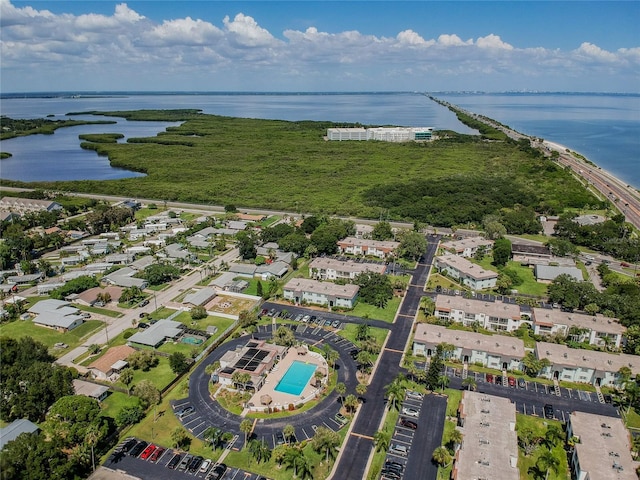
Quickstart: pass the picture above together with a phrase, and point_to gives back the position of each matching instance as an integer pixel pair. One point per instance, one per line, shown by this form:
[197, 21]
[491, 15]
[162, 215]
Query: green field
[224, 160]
[49, 337]
[387, 314]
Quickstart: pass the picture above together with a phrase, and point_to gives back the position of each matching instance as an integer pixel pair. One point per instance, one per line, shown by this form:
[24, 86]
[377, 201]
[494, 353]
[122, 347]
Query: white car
[414, 395]
[410, 412]
[399, 450]
[205, 466]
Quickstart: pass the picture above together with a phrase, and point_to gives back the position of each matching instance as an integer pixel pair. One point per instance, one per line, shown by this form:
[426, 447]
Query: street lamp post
[155, 302]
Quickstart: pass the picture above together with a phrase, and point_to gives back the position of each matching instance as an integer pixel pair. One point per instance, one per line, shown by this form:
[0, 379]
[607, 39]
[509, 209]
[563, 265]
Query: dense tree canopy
[159, 273]
[375, 288]
[30, 383]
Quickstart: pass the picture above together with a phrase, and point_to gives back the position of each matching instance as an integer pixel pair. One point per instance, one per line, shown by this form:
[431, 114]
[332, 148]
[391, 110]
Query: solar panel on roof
[252, 344]
[228, 370]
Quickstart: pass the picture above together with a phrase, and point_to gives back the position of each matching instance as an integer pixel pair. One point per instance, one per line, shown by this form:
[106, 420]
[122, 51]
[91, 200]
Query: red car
[148, 451]
[512, 381]
[157, 454]
[489, 378]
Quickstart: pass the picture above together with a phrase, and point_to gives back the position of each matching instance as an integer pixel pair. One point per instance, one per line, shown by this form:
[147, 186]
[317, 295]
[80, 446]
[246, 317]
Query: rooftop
[495, 344]
[469, 305]
[363, 242]
[490, 444]
[465, 267]
[604, 447]
[157, 333]
[14, 429]
[113, 355]
[470, 242]
[326, 263]
[574, 357]
[322, 288]
[596, 322]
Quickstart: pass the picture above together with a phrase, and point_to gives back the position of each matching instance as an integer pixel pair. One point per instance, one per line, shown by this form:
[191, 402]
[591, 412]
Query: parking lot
[144, 465]
[418, 430]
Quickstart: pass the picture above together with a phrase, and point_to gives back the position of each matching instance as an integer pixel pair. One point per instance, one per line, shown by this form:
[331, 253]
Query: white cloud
[126, 44]
[246, 32]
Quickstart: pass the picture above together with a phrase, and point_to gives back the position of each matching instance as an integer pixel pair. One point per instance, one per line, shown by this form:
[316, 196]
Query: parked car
[608, 398]
[175, 460]
[391, 465]
[185, 461]
[139, 447]
[263, 312]
[405, 422]
[341, 419]
[327, 323]
[390, 474]
[411, 412]
[143, 303]
[184, 412]
[499, 380]
[313, 319]
[489, 378]
[143, 325]
[414, 395]
[205, 466]
[128, 444]
[217, 472]
[548, 411]
[195, 463]
[522, 383]
[306, 318]
[298, 317]
[148, 451]
[512, 381]
[157, 454]
[399, 449]
[279, 438]
[272, 312]
[335, 323]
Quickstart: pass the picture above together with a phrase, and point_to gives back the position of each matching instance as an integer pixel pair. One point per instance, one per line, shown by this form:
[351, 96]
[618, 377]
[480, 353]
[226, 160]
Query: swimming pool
[296, 378]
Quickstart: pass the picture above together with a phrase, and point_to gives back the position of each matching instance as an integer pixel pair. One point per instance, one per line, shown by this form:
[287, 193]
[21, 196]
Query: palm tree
[470, 383]
[213, 435]
[381, 439]
[455, 438]
[395, 393]
[443, 381]
[365, 359]
[246, 427]
[548, 461]
[361, 389]
[362, 332]
[441, 456]
[552, 436]
[341, 389]
[288, 431]
[325, 440]
[351, 403]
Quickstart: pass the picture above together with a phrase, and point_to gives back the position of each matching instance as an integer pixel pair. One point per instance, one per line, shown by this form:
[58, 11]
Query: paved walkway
[357, 447]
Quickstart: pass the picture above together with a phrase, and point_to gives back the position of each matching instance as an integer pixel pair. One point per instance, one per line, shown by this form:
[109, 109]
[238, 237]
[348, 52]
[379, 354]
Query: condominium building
[584, 366]
[493, 351]
[594, 329]
[602, 448]
[497, 316]
[325, 268]
[466, 272]
[302, 290]
[385, 134]
[468, 247]
[362, 246]
[489, 448]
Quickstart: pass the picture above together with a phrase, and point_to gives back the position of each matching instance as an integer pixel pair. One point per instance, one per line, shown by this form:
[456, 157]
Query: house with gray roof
[89, 389]
[176, 251]
[548, 273]
[223, 280]
[236, 225]
[22, 279]
[466, 272]
[158, 333]
[270, 270]
[124, 277]
[143, 262]
[200, 297]
[60, 320]
[15, 429]
[243, 269]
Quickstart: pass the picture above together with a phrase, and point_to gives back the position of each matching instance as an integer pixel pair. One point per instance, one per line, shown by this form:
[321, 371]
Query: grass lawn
[453, 400]
[48, 336]
[116, 401]
[160, 375]
[351, 329]
[387, 314]
[435, 280]
[529, 285]
[632, 419]
[539, 427]
[100, 311]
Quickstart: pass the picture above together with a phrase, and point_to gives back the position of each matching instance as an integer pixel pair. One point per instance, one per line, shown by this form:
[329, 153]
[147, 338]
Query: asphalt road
[357, 447]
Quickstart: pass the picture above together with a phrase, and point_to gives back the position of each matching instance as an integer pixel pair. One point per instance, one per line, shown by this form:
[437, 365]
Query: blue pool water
[296, 378]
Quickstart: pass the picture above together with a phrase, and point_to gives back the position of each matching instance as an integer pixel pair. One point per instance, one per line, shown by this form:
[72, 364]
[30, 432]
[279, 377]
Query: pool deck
[281, 399]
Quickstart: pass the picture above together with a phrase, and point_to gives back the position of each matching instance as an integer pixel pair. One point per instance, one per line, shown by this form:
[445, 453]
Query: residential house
[200, 297]
[124, 277]
[90, 297]
[109, 365]
[466, 272]
[602, 448]
[327, 268]
[489, 447]
[491, 315]
[367, 247]
[528, 254]
[302, 290]
[492, 351]
[15, 429]
[24, 205]
[580, 327]
[584, 366]
[91, 390]
[548, 273]
[56, 314]
[272, 270]
[158, 333]
[24, 279]
[243, 269]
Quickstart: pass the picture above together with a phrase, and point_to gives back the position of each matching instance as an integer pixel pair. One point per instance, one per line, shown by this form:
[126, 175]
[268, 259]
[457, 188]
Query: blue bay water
[604, 128]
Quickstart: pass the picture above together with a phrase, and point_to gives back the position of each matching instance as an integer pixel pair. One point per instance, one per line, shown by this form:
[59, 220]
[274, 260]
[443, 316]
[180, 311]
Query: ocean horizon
[602, 126]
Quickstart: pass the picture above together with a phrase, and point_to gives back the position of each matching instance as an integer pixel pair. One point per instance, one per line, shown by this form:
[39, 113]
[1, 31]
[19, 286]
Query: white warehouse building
[385, 134]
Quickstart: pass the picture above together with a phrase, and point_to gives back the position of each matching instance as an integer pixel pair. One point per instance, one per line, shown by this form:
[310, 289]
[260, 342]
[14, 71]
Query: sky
[305, 46]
